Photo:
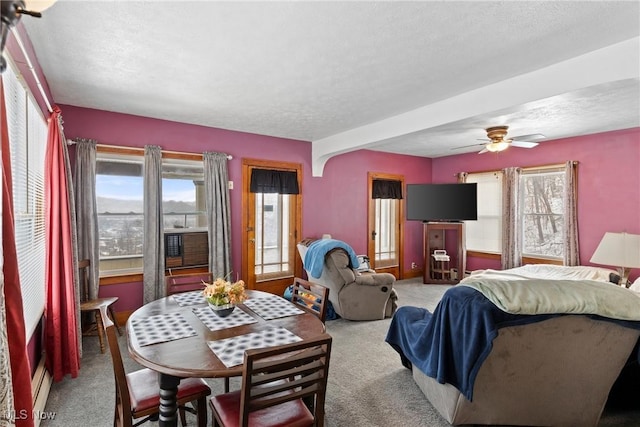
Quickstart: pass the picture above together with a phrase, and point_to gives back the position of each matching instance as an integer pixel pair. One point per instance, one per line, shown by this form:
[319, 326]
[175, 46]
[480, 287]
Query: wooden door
[385, 229]
[270, 231]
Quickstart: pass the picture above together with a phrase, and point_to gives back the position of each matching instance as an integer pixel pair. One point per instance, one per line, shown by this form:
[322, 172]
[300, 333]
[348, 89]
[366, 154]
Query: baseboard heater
[40, 386]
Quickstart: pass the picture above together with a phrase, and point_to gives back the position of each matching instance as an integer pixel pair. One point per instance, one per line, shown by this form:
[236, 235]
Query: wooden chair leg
[183, 416]
[226, 385]
[115, 321]
[100, 329]
[202, 412]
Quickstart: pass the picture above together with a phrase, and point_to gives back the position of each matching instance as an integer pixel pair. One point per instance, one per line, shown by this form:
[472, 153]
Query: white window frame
[542, 171]
[481, 235]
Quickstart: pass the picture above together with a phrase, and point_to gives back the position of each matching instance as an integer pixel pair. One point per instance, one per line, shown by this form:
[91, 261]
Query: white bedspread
[516, 291]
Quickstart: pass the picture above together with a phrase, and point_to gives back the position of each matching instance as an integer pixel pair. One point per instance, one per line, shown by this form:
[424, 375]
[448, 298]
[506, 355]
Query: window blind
[27, 145]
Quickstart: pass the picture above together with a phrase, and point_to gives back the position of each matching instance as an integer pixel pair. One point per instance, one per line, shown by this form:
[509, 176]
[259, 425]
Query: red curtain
[20, 369]
[61, 338]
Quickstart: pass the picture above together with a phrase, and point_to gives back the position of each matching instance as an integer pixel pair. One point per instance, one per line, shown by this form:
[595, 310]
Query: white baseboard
[40, 386]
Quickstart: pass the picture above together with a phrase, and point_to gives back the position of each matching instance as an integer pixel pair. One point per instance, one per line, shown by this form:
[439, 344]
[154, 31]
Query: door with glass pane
[385, 228]
[270, 232]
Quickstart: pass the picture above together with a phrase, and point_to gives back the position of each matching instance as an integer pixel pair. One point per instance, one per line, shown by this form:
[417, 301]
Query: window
[542, 212]
[183, 201]
[273, 219]
[485, 234]
[119, 202]
[386, 226]
[27, 144]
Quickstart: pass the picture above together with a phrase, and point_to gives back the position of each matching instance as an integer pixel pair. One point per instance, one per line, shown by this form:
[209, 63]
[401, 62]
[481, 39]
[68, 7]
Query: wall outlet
[414, 265]
[230, 185]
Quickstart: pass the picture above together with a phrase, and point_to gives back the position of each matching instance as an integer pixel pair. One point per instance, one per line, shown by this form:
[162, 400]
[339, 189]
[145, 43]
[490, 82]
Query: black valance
[274, 181]
[386, 189]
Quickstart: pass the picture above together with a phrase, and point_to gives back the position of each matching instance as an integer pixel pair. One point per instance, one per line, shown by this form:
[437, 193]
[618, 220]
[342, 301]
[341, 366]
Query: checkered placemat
[215, 322]
[231, 350]
[161, 328]
[189, 298]
[272, 307]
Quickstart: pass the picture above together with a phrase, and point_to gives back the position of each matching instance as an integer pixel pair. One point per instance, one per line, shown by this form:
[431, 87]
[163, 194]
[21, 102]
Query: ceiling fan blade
[467, 146]
[523, 144]
[483, 151]
[531, 137]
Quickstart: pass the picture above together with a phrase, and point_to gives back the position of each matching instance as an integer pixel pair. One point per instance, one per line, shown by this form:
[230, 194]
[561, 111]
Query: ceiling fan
[498, 141]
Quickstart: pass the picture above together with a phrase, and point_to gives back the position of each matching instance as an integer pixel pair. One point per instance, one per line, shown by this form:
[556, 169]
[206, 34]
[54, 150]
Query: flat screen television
[442, 202]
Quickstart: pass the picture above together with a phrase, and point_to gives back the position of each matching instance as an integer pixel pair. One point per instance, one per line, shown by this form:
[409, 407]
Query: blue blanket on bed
[314, 258]
[451, 343]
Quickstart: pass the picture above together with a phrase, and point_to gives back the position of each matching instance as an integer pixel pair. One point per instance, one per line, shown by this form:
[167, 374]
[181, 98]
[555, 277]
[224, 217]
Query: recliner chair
[354, 295]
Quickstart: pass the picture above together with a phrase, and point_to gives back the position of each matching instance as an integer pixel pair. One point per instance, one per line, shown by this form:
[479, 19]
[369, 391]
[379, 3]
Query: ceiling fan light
[496, 147]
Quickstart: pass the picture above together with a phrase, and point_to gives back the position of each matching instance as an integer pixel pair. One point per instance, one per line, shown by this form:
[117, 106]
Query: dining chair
[310, 297]
[93, 306]
[138, 392]
[176, 283]
[275, 380]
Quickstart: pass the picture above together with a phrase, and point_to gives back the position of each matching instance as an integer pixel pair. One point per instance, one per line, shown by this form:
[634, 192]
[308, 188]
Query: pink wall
[608, 181]
[335, 203]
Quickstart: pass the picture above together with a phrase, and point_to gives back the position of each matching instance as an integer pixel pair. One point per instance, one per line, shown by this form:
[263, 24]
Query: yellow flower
[222, 292]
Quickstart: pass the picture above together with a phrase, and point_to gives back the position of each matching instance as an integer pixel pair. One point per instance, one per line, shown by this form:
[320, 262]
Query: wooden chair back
[310, 297]
[177, 283]
[123, 406]
[275, 375]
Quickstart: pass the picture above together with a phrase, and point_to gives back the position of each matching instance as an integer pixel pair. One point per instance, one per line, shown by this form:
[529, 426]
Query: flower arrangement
[222, 292]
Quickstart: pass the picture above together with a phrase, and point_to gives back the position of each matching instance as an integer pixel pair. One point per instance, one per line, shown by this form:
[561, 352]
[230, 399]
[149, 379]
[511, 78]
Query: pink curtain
[20, 369]
[61, 339]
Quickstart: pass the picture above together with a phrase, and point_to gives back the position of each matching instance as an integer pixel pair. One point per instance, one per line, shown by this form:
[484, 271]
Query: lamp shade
[495, 147]
[38, 5]
[618, 249]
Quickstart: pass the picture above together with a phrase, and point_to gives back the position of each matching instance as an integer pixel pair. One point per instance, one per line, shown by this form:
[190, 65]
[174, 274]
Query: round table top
[191, 356]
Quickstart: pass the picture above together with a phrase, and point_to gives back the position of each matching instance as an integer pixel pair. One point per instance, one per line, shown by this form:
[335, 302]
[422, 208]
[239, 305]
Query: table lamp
[621, 250]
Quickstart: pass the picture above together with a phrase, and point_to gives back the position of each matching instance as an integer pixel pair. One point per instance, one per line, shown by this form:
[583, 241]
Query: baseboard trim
[410, 274]
[40, 386]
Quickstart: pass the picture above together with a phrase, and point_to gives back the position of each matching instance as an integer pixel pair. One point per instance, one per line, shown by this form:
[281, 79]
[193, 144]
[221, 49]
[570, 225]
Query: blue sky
[131, 188]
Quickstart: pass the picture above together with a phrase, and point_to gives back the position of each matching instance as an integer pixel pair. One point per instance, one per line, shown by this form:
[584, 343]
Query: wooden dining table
[192, 356]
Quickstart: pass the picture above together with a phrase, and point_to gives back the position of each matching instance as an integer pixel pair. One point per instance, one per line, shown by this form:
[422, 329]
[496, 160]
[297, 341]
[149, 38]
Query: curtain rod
[33, 71]
[124, 149]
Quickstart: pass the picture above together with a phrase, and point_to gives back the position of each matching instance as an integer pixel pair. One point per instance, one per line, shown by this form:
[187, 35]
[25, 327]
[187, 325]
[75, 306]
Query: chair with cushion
[275, 380]
[177, 283]
[137, 393]
[353, 295]
[310, 297]
[93, 306]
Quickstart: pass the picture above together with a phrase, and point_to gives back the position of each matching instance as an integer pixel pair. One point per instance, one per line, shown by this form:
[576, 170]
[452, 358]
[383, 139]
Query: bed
[535, 345]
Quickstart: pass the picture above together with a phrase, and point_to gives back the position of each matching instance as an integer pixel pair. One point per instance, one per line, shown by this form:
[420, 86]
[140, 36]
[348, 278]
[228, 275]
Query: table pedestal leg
[168, 401]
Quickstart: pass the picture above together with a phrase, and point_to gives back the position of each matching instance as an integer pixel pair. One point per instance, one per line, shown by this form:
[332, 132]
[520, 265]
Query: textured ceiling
[419, 78]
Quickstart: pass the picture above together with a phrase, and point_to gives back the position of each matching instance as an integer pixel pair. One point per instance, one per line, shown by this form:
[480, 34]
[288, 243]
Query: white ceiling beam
[615, 62]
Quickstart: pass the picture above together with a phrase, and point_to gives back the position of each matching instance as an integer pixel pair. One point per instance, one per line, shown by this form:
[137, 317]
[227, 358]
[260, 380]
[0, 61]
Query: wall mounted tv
[442, 202]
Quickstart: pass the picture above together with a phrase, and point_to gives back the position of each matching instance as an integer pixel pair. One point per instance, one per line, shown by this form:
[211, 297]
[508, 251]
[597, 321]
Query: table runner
[215, 322]
[231, 350]
[189, 298]
[272, 307]
[161, 328]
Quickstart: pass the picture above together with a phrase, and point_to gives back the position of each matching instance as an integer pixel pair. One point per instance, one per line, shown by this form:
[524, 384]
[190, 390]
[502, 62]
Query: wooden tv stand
[450, 237]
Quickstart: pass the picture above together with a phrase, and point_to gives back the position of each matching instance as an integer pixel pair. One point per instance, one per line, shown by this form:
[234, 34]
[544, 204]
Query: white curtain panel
[153, 247]
[216, 186]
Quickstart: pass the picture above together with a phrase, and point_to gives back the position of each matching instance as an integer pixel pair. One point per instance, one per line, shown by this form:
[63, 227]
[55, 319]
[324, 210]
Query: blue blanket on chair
[314, 258]
[451, 343]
